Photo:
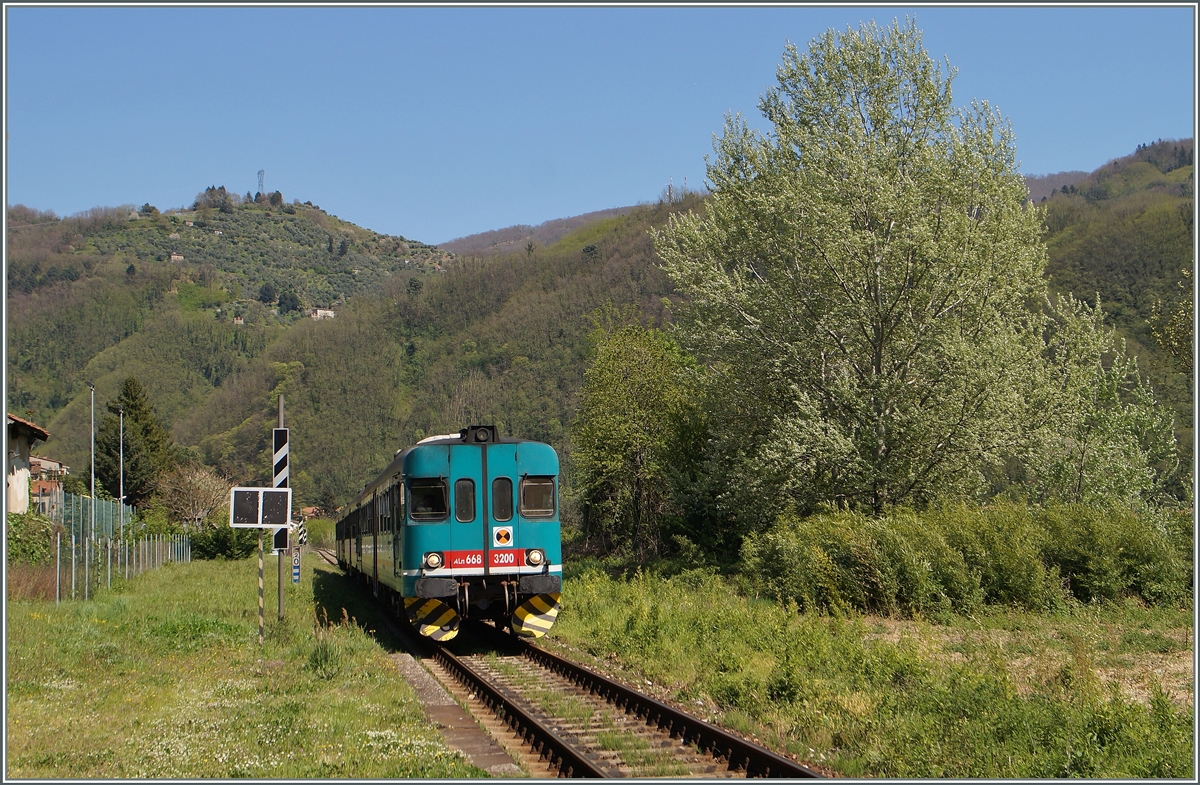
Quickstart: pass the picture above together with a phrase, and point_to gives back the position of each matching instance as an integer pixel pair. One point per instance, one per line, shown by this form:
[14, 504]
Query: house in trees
[46, 486]
[22, 436]
[176, 256]
[321, 313]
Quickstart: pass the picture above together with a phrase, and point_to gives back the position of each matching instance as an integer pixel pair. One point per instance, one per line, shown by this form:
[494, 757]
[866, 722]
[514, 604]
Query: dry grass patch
[1135, 655]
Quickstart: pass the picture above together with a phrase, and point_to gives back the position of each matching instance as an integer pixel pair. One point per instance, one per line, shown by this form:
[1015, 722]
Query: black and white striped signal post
[279, 467]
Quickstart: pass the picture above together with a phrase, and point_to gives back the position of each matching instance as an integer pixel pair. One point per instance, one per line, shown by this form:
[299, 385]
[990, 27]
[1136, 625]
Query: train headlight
[535, 557]
[433, 560]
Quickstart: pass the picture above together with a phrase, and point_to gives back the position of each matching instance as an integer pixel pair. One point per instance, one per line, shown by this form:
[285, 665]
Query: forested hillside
[526, 237]
[500, 340]
[420, 344]
[98, 297]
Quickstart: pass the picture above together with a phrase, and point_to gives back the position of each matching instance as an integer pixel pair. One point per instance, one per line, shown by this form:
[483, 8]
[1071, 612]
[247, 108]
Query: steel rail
[757, 761]
[557, 751]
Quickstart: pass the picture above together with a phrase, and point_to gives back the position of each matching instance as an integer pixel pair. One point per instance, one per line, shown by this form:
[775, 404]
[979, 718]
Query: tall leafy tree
[148, 451]
[860, 287]
[636, 434]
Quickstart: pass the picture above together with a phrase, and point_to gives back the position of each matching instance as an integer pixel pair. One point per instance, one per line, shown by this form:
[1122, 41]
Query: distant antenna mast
[261, 172]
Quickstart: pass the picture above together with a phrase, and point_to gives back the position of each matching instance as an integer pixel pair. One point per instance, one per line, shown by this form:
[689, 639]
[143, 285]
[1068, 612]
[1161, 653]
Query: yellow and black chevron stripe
[534, 617]
[432, 618]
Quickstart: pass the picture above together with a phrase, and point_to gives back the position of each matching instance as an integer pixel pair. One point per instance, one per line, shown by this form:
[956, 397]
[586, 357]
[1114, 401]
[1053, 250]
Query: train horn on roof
[479, 434]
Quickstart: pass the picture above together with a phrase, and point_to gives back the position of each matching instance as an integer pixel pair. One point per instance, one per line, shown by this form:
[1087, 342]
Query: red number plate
[507, 558]
[457, 559]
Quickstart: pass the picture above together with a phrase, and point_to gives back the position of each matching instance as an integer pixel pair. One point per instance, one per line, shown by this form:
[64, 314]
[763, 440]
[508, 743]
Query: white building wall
[18, 476]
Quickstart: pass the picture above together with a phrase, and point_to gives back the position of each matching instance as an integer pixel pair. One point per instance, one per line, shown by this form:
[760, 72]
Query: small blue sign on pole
[296, 564]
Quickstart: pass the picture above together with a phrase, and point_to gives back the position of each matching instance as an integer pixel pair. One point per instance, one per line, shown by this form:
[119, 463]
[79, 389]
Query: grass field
[1100, 690]
[163, 678]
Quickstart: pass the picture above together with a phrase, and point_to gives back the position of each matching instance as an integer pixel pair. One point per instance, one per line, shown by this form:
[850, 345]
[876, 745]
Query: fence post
[57, 567]
[72, 562]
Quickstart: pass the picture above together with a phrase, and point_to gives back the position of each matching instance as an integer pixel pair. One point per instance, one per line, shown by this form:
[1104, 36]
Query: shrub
[958, 558]
[1106, 554]
[224, 542]
[843, 561]
[1003, 547]
[30, 538]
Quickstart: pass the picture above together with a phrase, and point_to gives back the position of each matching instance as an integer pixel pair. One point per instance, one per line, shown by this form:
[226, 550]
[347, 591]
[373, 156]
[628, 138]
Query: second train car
[461, 525]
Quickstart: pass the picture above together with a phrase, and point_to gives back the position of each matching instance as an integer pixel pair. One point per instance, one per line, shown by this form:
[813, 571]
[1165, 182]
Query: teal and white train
[462, 525]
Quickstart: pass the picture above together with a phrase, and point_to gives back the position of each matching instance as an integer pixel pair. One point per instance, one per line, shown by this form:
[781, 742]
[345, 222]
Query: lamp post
[121, 501]
[87, 540]
[92, 433]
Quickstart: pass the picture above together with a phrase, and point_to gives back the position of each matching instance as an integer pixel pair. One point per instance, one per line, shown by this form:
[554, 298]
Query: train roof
[463, 437]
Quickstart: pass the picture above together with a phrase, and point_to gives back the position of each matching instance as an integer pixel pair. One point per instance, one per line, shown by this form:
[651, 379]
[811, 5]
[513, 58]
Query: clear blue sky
[435, 123]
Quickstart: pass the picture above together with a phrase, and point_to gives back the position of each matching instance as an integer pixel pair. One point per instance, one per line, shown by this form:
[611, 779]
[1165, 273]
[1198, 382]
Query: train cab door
[466, 520]
[502, 536]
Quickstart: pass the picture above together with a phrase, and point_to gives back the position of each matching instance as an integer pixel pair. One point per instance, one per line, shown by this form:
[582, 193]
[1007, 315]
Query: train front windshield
[537, 497]
[427, 500]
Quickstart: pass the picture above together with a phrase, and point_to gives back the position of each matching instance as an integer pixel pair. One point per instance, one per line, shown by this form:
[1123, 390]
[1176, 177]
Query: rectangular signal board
[259, 508]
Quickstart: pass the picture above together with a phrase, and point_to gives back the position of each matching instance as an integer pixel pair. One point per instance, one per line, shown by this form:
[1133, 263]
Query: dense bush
[955, 559]
[224, 542]
[1104, 554]
[30, 538]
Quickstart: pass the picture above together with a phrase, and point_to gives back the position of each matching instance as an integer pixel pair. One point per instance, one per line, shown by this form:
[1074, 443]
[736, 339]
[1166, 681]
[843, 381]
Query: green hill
[97, 297]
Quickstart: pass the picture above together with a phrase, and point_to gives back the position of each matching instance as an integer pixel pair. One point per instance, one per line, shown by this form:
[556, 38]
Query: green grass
[320, 532]
[1085, 691]
[194, 297]
[163, 678]
[637, 753]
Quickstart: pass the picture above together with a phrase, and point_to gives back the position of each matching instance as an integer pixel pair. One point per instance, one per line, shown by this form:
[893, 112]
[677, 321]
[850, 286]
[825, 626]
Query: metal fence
[111, 518]
[110, 544]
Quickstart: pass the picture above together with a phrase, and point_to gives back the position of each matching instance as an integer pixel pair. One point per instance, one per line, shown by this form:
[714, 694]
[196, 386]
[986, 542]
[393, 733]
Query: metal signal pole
[281, 481]
[260, 588]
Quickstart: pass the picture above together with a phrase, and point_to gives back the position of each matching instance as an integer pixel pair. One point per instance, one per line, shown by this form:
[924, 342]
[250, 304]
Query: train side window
[427, 499]
[537, 497]
[464, 501]
[502, 506]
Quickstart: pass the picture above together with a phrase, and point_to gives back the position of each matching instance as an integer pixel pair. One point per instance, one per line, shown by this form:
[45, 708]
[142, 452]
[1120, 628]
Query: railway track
[580, 723]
